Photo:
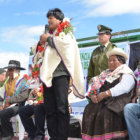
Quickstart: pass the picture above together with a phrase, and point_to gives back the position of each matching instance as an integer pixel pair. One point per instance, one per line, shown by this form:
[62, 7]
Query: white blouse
[124, 86]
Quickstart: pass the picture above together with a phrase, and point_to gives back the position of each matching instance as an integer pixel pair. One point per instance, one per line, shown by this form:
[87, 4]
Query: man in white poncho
[61, 61]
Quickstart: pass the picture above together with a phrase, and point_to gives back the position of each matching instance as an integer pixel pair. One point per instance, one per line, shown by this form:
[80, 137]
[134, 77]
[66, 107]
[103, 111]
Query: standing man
[99, 60]
[61, 61]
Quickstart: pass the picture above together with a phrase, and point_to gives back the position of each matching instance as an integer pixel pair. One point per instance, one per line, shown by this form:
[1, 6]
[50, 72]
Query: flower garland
[34, 81]
[38, 99]
[41, 49]
[94, 87]
[26, 76]
[38, 58]
[35, 70]
[64, 28]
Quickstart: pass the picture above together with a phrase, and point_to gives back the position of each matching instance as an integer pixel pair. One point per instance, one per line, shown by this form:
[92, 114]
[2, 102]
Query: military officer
[99, 60]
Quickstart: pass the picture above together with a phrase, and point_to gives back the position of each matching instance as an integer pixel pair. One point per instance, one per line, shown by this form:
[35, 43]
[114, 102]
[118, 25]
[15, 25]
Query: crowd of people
[110, 113]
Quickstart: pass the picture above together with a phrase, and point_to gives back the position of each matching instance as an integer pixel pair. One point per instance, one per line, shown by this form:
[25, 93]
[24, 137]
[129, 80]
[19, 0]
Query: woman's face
[113, 62]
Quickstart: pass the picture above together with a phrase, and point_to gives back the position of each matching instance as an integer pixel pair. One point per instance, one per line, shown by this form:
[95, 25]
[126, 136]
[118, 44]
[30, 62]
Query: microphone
[46, 28]
[46, 31]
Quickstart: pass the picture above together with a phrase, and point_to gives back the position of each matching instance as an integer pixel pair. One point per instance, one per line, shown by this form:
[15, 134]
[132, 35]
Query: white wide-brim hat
[117, 51]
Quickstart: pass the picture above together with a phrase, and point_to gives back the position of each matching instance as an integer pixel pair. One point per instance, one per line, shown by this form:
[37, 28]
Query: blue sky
[22, 21]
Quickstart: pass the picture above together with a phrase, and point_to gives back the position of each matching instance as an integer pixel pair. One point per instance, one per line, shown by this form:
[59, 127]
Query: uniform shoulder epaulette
[96, 49]
[114, 45]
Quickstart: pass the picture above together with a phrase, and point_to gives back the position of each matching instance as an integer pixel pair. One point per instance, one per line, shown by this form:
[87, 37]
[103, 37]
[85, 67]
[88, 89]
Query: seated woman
[110, 91]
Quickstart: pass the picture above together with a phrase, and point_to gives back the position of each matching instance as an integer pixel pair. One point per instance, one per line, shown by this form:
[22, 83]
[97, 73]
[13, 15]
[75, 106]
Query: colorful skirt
[100, 123]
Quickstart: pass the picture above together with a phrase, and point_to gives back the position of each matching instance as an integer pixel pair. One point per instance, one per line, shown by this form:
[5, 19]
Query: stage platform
[46, 138]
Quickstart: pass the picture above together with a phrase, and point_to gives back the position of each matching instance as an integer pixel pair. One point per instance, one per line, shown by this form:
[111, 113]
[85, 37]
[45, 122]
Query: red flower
[27, 76]
[35, 71]
[41, 89]
[62, 26]
[40, 48]
[40, 101]
[35, 74]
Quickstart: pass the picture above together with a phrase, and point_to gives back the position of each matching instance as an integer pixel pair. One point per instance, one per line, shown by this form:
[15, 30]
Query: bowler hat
[2, 70]
[117, 51]
[14, 64]
[104, 29]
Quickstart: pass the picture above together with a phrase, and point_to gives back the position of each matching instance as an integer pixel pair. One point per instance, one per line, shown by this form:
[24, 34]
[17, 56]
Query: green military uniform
[99, 60]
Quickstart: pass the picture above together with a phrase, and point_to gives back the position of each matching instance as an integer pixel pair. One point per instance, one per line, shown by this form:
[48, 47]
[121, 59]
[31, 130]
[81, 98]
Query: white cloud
[23, 35]
[22, 57]
[111, 7]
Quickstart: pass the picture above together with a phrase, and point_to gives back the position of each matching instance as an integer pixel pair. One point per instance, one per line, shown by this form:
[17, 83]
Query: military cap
[104, 29]
[2, 70]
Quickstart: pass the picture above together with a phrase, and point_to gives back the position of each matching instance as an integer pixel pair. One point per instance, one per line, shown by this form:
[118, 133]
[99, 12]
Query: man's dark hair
[121, 59]
[57, 13]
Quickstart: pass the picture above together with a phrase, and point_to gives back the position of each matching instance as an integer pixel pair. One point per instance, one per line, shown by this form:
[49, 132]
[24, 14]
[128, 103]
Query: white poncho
[66, 49]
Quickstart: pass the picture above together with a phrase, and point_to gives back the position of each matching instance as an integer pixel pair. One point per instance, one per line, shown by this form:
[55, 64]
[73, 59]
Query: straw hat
[117, 51]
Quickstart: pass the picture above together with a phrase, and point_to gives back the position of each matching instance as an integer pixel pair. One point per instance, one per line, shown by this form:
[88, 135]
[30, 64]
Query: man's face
[53, 23]
[2, 77]
[10, 73]
[104, 38]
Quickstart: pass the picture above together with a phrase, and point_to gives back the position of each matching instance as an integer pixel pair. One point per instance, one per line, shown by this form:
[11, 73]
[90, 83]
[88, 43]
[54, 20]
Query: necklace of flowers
[35, 70]
[94, 90]
[64, 28]
[40, 48]
[39, 54]
[95, 87]
[38, 99]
